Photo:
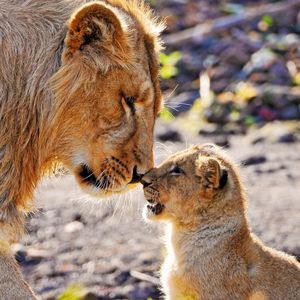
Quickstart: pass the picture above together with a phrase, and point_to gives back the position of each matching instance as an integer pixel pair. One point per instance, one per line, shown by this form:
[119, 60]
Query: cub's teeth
[156, 208]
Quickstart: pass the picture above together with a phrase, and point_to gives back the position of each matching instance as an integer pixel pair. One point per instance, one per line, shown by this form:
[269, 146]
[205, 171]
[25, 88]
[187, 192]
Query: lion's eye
[129, 100]
[176, 171]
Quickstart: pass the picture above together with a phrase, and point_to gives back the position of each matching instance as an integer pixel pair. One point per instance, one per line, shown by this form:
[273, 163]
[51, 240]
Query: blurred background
[230, 75]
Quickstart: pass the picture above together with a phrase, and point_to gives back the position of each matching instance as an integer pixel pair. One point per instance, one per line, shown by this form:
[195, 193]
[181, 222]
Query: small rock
[260, 60]
[142, 291]
[287, 138]
[254, 160]
[235, 55]
[209, 130]
[257, 140]
[291, 112]
[258, 77]
[218, 114]
[30, 256]
[73, 227]
[37, 254]
[222, 141]
[44, 270]
[220, 85]
[223, 71]
[274, 132]
[267, 114]
[170, 135]
[90, 296]
[66, 267]
[20, 253]
[77, 217]
[279, 73]
[122, 277]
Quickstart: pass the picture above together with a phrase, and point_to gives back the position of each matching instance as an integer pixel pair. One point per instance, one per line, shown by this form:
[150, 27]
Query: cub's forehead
[183, 156]
[191, 153]
[214, 151]
[211, 150]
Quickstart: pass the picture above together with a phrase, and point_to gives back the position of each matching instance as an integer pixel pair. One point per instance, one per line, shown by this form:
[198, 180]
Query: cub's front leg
[12, 284]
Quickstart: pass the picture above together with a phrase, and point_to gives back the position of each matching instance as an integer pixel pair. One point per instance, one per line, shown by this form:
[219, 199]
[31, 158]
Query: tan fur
[212, 253]
[66, 69]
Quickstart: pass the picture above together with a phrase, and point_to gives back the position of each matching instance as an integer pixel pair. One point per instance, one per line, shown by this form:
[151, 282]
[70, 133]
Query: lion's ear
[96, 27]
[212, 177]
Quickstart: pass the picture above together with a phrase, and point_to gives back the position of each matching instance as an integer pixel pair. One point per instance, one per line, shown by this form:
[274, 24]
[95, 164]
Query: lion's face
[109, 109]
[192, 183]
[112, 140]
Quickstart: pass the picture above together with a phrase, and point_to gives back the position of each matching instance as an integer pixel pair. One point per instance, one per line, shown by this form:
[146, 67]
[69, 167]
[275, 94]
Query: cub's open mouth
[155, 207]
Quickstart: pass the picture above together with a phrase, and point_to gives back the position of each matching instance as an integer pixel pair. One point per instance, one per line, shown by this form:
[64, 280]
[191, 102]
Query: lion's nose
[136, 177]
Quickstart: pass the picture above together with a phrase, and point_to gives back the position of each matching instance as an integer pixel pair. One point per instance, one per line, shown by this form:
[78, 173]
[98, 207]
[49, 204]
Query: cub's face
[108, 97]
[187, 184]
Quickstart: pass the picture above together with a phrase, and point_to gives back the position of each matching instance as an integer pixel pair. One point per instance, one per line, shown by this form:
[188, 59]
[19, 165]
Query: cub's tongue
[156, 208]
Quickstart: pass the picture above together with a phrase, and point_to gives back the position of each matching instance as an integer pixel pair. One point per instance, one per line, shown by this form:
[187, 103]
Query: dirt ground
[107, 247]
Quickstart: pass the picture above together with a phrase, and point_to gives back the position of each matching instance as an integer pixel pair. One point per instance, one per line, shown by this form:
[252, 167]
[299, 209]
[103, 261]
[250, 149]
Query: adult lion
[79, 86]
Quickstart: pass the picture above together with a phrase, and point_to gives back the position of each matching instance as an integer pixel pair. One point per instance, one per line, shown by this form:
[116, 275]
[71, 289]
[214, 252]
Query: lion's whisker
[171, 93]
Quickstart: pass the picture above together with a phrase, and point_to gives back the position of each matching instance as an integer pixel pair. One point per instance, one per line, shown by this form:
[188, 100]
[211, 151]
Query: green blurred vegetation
[168, 64]
[73, 292]
[166, 115]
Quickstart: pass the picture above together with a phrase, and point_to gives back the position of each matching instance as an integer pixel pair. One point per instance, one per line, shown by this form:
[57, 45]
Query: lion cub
[212, 253]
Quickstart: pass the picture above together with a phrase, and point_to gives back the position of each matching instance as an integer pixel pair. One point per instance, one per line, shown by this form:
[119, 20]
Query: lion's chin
[99, 188]
[100, 193]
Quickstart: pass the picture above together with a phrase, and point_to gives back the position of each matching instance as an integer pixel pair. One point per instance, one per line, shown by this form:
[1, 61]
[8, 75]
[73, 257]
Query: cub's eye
[176, 171]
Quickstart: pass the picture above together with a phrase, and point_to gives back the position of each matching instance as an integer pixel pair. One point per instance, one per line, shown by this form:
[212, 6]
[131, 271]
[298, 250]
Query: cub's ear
[212, 177]
[98, 27]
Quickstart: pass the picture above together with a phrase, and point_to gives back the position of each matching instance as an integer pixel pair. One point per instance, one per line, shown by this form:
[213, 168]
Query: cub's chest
[184, 290]
[177, 284]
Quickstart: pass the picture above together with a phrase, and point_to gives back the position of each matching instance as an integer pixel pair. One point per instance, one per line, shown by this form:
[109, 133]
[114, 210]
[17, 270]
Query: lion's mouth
[155, 207]
[136, 177]
[106, 182]
[88, 177]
